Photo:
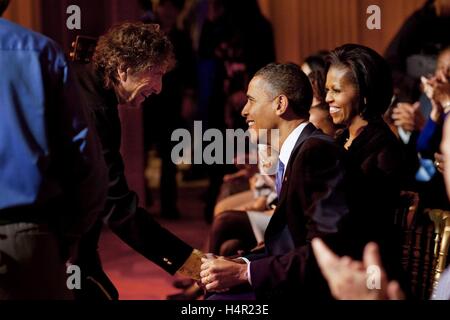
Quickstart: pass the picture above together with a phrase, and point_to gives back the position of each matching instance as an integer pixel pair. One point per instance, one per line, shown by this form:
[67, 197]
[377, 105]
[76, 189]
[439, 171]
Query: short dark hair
[371, 75]
[3, 5]
[133, 45]
[290, 80]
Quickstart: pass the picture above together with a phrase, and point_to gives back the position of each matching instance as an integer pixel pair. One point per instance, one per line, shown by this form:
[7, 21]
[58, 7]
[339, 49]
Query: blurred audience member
[236, 40]
[315, 67]
[147, 7]
[348, 278]
[412, 53]
[423, 138]
[173, 107]
[436, 89]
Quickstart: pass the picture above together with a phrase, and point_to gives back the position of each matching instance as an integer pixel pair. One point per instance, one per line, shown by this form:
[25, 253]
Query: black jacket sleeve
[133, 224]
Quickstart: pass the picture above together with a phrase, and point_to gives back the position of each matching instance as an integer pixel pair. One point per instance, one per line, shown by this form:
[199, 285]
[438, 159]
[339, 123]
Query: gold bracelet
[191, 268]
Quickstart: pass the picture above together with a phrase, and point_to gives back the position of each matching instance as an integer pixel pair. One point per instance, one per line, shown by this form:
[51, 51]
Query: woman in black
[359, 91]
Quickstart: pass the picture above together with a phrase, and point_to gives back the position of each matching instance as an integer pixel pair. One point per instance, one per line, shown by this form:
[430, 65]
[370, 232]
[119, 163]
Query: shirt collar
[289, 144]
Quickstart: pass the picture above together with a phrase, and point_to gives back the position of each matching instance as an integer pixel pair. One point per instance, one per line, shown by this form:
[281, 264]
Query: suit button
[167, 261]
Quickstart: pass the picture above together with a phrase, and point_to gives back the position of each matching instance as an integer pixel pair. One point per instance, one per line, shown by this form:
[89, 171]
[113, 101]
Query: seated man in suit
[309, 182]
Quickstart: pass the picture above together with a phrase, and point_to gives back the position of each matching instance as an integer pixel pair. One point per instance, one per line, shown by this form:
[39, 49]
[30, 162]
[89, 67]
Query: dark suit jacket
[133, 224]
[312, 204]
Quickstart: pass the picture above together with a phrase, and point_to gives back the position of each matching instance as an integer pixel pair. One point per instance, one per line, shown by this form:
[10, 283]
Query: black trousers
[231, 231]
[95, 284]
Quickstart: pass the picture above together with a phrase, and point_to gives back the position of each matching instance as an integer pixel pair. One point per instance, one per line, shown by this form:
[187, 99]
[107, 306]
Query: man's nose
[244, 111]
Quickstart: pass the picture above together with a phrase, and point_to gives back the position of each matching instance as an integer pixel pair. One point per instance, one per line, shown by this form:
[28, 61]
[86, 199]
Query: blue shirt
[48, 149]
[429, 139]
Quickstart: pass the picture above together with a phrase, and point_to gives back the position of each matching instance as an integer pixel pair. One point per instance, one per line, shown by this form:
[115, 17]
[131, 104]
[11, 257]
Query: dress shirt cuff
[248, 269]
[405, 136]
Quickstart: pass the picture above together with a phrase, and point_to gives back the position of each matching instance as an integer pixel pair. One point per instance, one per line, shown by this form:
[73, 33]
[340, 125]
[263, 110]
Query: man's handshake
[219, 274]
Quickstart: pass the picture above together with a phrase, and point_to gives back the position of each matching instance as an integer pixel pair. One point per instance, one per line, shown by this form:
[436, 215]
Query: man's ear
[123, 74]
[281, 104]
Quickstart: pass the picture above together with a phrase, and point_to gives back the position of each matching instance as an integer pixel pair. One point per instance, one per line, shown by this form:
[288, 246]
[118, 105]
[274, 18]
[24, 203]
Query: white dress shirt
[289, 144]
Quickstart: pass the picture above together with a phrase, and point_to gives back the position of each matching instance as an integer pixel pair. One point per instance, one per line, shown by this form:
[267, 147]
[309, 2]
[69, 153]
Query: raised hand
[348, 279]
[408, 116]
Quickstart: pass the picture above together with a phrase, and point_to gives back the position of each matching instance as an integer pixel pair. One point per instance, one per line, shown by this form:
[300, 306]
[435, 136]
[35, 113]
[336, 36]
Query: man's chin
[253, 135]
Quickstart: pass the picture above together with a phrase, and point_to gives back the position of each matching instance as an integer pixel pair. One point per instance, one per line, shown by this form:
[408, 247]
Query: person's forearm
[142, 233]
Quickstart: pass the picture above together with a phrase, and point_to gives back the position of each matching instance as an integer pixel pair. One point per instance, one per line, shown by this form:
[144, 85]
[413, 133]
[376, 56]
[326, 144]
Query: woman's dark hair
[371, 76]
[318, 61]
[3, 5]
[290, 80]
[318, 65]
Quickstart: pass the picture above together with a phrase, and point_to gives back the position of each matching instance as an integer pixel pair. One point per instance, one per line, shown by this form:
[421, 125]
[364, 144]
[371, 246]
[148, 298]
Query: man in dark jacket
[128, 65]
[310, 188]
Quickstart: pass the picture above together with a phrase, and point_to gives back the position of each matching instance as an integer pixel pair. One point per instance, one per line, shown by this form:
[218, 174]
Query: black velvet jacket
[133, 224]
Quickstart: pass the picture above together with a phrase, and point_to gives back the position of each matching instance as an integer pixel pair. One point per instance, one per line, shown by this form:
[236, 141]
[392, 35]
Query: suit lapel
[307, 131]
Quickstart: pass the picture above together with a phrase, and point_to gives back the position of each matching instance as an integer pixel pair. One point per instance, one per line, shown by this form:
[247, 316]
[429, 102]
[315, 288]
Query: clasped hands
[220, 274]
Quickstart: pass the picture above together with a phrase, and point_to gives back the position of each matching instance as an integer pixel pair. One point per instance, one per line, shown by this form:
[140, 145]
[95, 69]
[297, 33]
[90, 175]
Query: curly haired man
[128, 65]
